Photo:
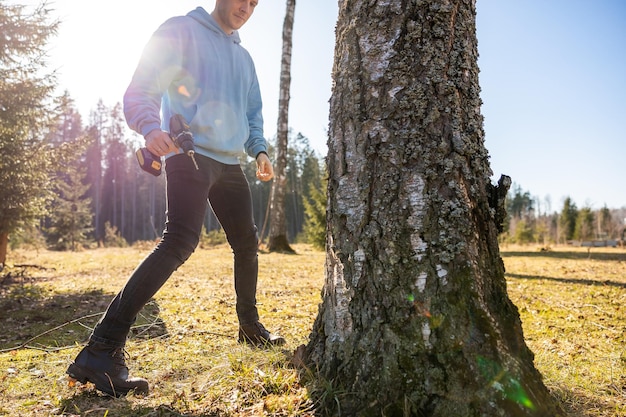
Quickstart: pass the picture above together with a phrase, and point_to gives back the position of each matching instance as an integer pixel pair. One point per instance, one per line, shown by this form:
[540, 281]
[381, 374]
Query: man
[193, 66]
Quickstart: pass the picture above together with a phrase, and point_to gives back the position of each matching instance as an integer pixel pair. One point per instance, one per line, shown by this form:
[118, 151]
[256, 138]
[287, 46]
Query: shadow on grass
[594, 254]
[577, 404]
[577, 281]
[92, 403]
[33, 317]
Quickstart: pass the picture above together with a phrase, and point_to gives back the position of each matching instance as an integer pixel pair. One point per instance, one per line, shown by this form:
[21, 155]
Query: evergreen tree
[294, 208]
[313, 172]
[520, 216]
[116, 171]
[519, 204]
[523, 232]
[584, 229]
[25, 91]
[94, 162]
[70, 214]
[567, 221]
[303, 172]
[315, 213]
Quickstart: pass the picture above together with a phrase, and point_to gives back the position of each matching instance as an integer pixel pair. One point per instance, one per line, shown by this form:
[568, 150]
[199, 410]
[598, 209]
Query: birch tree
[415, 318]
[278, 227]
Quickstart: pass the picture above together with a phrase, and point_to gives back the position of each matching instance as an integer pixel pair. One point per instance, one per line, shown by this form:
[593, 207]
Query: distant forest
[102, 196]
[530, 220]
[66, 184]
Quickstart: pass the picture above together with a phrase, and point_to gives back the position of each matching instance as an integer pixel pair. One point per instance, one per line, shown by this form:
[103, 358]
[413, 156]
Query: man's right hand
[159, 143]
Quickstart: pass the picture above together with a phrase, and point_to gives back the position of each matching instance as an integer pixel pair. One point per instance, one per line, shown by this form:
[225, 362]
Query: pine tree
[315, 213]
[584, 229]
[94, 162]
[567, 220]
[115, 178]
[70, 212]
[25, 91]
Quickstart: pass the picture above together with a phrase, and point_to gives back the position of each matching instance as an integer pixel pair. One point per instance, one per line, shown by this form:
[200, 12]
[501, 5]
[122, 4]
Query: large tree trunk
[278, 222]
[415, 318]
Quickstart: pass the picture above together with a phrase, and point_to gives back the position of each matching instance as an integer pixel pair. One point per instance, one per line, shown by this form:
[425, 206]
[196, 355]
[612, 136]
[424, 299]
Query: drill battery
[148, 161]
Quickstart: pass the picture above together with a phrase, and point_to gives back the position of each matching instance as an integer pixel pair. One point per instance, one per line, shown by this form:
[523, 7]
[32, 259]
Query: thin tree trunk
[278, 223]
[415, 318]
[4, 246]
[97, 200]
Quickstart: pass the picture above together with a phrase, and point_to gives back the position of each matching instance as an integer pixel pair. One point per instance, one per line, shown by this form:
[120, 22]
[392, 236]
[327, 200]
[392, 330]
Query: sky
[552, 76]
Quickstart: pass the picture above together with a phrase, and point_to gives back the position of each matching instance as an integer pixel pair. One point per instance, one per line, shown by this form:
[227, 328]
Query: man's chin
[238, 22]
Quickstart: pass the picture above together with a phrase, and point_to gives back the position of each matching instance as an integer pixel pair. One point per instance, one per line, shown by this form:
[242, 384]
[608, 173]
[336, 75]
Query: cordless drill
[180, 133]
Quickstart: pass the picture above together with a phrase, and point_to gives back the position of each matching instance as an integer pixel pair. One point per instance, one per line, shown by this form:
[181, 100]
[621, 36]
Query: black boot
[106, 368]
[257, 335]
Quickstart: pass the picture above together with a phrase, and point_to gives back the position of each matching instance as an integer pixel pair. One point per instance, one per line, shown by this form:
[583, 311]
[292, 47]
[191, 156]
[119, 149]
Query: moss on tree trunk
[415, 318]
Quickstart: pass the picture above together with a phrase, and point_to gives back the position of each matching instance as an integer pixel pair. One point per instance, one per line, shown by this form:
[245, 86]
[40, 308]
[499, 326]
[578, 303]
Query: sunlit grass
[184, 342]
[572, 304]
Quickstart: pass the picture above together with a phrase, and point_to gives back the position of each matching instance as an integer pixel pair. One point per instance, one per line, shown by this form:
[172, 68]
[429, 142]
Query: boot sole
[103, 384]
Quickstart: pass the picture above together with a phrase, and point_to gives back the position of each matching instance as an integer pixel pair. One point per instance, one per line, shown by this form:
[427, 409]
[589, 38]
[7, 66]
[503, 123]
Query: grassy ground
[573, 308]
[572, 303]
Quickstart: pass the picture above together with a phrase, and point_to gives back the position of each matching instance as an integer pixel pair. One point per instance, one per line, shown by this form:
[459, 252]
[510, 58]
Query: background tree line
[68, 184]
[531, 220]
[101, 196]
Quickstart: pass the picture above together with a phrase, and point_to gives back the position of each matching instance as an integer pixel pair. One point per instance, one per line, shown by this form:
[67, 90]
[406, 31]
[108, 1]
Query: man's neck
[228, 31]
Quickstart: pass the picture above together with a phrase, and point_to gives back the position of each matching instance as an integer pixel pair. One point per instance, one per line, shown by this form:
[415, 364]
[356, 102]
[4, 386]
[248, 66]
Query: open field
[572, 303]
[573, 308]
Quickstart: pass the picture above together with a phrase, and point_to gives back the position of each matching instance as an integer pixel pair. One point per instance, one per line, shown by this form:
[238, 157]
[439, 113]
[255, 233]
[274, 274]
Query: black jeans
[226, 189]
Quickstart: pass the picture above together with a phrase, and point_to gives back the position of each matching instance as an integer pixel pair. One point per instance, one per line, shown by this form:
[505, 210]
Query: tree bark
[415, 318]
[278, 222]
[4, 246]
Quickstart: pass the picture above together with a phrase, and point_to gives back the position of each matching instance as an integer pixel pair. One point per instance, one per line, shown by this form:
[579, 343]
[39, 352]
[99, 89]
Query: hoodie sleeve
[159, 64]
[256, 141]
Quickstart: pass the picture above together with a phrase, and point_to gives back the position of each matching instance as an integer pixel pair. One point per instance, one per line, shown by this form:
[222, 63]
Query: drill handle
[182, 136]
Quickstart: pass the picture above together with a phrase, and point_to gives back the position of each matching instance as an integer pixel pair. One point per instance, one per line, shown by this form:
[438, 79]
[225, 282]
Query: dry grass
[184, 342]
[572, 309]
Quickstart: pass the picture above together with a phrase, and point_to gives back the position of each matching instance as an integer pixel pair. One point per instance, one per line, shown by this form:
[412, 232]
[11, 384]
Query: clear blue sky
[553, 79]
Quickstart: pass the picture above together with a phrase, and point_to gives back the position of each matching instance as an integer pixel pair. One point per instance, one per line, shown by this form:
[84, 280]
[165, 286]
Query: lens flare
[182, 90]
[503, 381]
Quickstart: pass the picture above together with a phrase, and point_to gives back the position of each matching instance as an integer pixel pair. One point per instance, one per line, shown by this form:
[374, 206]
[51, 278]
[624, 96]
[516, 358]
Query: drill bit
[191, 154]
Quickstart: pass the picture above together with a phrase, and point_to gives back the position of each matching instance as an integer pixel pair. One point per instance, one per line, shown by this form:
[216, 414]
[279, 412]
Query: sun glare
[99, 45]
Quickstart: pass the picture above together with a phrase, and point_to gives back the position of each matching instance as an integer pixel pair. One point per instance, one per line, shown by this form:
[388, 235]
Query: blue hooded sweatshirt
[192, 67]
